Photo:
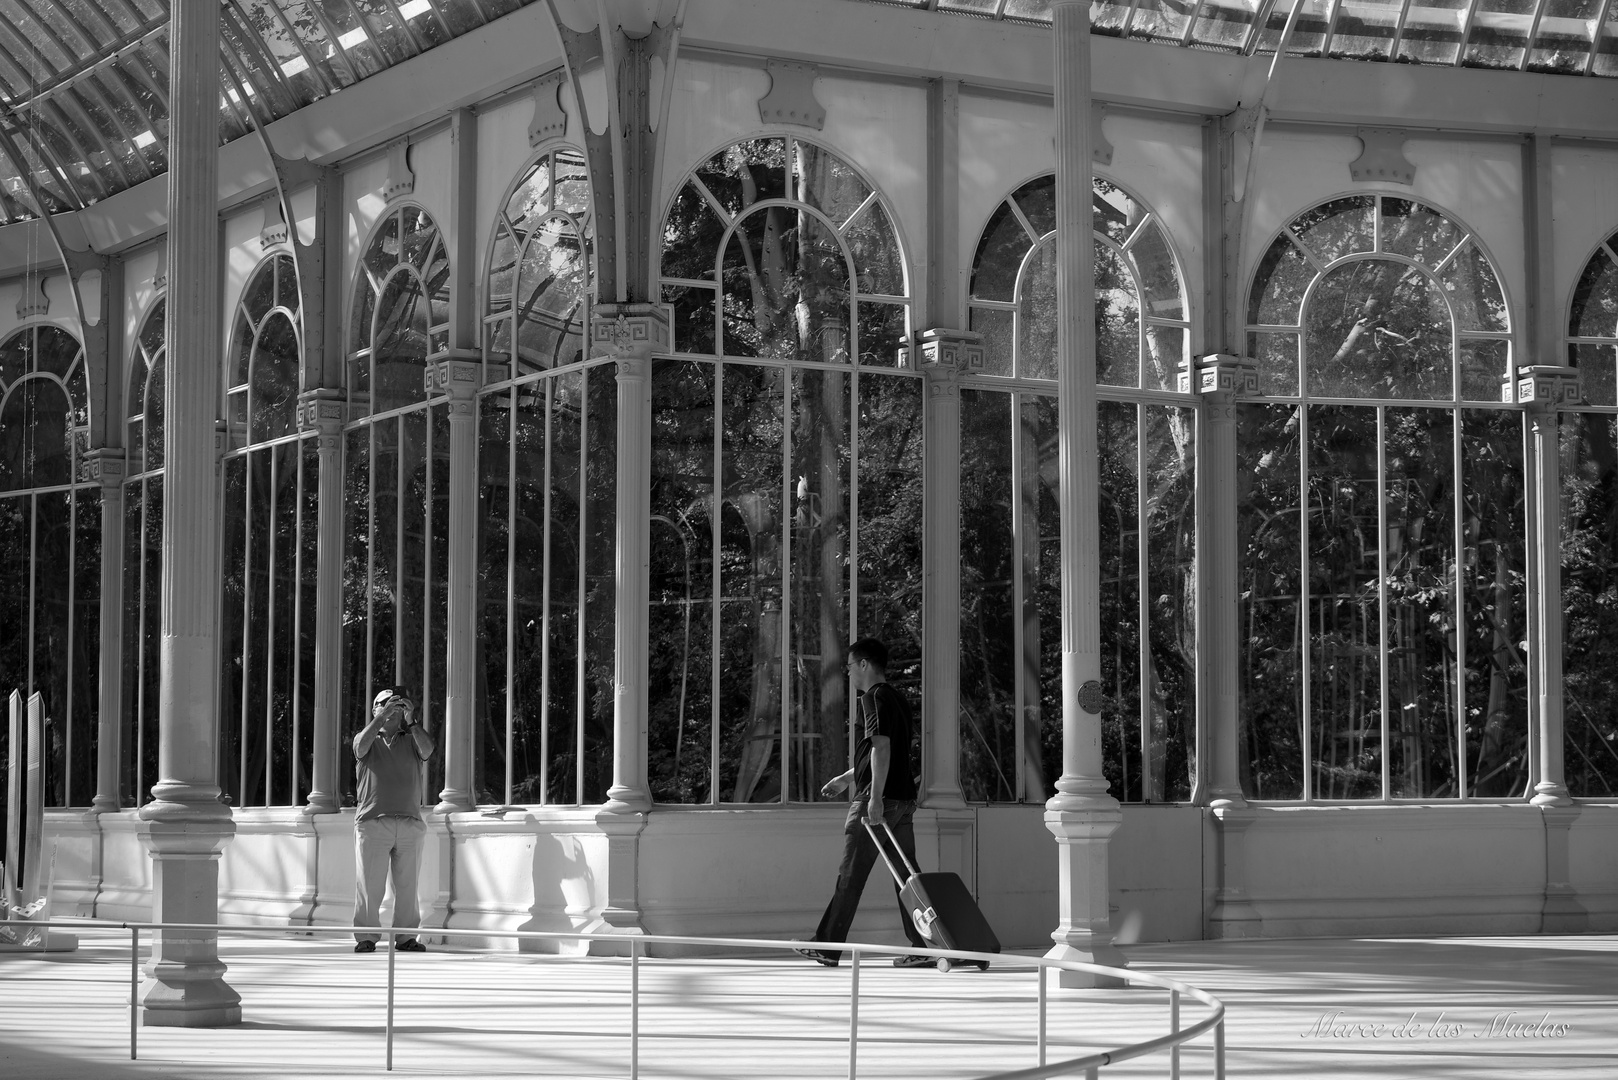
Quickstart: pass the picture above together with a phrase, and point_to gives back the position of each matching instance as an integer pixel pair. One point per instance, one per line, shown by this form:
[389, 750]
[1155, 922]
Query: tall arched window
[1010, 530]
[50, 551]
[396, 477]
[786, 472]
[143, 558]
[267, 620]
[1590, 535]
[1381, 525]
[547, 461]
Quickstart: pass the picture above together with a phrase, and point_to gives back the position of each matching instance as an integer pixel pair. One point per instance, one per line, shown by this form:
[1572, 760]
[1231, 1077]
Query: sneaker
[824, 959]
[365, 946]
[914, 961]
[410, 945]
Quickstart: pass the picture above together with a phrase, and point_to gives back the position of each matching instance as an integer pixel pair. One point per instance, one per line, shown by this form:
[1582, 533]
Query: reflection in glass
[1589, 449]
[1378, 329]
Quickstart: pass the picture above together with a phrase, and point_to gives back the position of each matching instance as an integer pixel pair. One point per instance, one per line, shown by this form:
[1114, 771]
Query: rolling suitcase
[940, 906]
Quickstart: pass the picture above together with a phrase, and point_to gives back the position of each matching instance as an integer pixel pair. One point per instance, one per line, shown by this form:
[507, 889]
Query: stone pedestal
[1234, 915]
[185, 979]
[622, 914]
[1084, 931]
[1563, 914]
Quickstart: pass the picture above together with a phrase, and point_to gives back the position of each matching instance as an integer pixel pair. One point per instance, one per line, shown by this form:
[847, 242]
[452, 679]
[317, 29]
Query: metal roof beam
[106, 55]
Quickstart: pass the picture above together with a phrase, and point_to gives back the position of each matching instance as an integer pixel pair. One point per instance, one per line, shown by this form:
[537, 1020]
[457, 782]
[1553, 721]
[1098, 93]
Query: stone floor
[1472, 1008]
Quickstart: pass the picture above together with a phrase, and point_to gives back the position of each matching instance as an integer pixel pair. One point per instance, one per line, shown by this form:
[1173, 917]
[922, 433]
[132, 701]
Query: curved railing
[637, 944]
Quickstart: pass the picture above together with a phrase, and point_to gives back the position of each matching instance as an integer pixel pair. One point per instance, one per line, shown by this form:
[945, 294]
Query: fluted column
[458, 378]
[1081, 815]
[944, 355]
[107, 466]
[322, 411]
[187, 825]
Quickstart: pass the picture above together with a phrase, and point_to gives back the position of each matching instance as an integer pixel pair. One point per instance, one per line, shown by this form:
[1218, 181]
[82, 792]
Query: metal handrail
[1089, 1063]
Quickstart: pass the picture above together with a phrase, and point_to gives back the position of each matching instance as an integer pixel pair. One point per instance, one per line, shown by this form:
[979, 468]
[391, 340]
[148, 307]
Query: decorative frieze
[106, 465]
[456, 376]
[960, 351]
[1218, 373]
[627, 331]
[791, 98]
[1544, 386]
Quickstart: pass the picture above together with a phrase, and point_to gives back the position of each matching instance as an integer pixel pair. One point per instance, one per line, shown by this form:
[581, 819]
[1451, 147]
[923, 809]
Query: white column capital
[1544, 387]
[944, 353]
[1219, 373]
[107, 466]
[630, 331]
[457, 375]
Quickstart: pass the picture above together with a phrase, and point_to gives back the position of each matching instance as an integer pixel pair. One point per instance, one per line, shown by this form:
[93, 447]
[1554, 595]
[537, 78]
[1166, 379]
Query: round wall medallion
[1090, 697]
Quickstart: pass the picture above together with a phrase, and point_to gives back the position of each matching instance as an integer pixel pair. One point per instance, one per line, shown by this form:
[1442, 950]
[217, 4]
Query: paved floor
[1448, 1008]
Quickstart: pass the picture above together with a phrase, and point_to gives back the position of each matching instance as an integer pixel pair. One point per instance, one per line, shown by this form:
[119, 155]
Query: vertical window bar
[33, 583]
[854, 533]
[789, 400]
[1142, 599]
[426, 413]
[582, 588]
[140, 636]
[247, 625]
[1022, 571]
[545, 607]
[269, 626]
[1595, 34]
[397, 421]
[1304, 626]
[717, 596]
[511, 580]
[1459, 595]
[1382, 592]
[297, 627]
[370, 568]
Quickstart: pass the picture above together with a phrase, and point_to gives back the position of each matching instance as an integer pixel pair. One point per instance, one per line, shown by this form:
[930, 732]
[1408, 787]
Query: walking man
[388, 829]
[883, 786]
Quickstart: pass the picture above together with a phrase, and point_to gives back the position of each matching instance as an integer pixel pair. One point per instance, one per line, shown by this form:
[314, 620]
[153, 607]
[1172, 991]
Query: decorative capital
[630, 331]
[550, 120]
[791, 99]
[1382, 156]
[1219, 373]
[274, 229]
[321, 410]
[33, 300]
[1545, 387]
[401, 180]
[458, 375]
[106, 465]
[943, 353]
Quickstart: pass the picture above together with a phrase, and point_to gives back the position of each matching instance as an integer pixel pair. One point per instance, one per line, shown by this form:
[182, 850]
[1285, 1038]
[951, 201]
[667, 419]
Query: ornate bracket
[944, 354]
[33, 300]
[160, 275]
[1382, 156]
[323, 410]
[401, 180]
[274, 230]
[1100, 148]
[630, 332]
[1544, 387]
[791, 98]
[550, 119]
[456, 376]
[1218, 373]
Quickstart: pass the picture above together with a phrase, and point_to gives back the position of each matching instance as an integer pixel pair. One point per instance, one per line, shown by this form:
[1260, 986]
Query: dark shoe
[410, 945]
[915, 961]
[824, 959]
[365, 946]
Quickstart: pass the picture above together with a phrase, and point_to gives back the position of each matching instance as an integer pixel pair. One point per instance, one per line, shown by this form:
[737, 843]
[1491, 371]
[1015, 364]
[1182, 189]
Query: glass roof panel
[1365, 29]
[1562, 43]
[1500, 33]
[1224, 24]
[1605, 61]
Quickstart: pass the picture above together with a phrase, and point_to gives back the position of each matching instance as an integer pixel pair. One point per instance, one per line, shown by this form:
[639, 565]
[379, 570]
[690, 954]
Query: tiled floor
[1511, 1007]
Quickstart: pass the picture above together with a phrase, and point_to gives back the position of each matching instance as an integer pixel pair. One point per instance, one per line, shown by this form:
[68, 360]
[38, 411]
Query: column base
[1084, 927]
[185, 984]
[1562, 913]
[621, 915]
[1233, 916]
[1104, 953]
[188, 995]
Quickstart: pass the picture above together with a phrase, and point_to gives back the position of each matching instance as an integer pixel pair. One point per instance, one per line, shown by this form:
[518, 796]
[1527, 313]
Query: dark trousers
[859, 855]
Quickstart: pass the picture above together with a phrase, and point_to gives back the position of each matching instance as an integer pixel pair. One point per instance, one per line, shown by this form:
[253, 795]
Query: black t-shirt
[885, 712]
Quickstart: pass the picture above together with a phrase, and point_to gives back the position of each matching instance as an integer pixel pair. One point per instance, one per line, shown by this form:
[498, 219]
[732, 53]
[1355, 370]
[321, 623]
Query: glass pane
[1365, 31]
[383, 254]
[1417, 231]
[1494, 576]
[1165, 353]
[1594, 311]
[1117, 307]
[56, 350]
[51, 618]
[1037, 201]
[495, 596]
[1037, 315]
[1042, 597]
[1338, 228]
[1475, 292]
[1277, 358]
[691, 235]
[750, 551]
[1169, 683]
[399, 357]
[745, 173]
[990, 560]
[999, 256]
[1423, 751]
[821, 541]
[1596, 371]
[1117, 519]
[1271, 628]
[552, 280]
[1278, 285]
[1499, 33]
[1221, 27]
[1378, 329]
[878, 266]
[86, 665]
[1590, 634]
[358, 555]
[680, 614]
[1432, 33]
[882, 333]
[997, 328]
[274, 393]
[693, 318]
[1114, 214]
[1484, 366]
[786, 289]
[153, 408]
[827, 183]
[36, 448]
[1158, 277]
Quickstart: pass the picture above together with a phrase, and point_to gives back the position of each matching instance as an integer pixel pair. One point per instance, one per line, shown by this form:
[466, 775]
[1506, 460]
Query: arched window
[1010, 529]
[1380, 522]
[267, 620]
[547, 431]
[396, 477]
[1590, 534]
[786, 472]
[50, 551]
[143, 557]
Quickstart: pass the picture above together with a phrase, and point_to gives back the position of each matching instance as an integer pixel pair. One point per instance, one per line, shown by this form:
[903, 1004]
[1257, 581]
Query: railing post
[854, 1015]
[134, 983]
[1174, 1026]
[634, 1009]
[392, 952]
[1039, 969]
[1219, 1050]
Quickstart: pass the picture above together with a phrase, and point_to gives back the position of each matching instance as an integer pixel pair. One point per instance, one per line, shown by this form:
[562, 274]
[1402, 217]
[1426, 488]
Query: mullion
[549, 383]
[247, 624]
[1382, 595]
[581, 586]
[716, 587]
[1306, 666]
[1143, 604]
[511, 580]
[269, 631]
[1021, 572]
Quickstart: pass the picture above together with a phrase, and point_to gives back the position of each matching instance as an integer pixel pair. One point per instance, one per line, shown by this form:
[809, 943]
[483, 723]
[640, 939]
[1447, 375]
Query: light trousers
[387, 847]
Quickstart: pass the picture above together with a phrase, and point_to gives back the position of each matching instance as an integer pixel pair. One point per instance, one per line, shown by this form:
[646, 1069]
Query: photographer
[388, 829]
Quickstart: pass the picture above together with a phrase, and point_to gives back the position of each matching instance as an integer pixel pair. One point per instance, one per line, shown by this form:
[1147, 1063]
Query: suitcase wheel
[983, 965]
[944, 964]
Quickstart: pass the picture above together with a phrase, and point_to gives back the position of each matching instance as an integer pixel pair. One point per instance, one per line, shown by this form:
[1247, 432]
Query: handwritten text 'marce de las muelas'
[1501, 1025]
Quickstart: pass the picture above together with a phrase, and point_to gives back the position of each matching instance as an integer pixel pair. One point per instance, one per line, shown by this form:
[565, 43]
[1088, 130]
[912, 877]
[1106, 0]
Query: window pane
[996, 326]
[400, 348]
[1337, 228]
[1158, 277]
[1165, 354]
[1484, 366]
[882, 333]
[275, 380]
[1345, 632]
[1589, 593]
[1271, 629]
[1117, 308]
[1169, 438]
[693, 318]
[542, 680]
[1378, 329]
[1475, 292]
[1417, 231]
[1278, 286]
[552, 279]
[494, 596]
[999, 256]
[1277, 358]
[1119, 527]
[875, 250]
[827, 183]
[691, 235]
[990, 560]
[1596, 371]
[786, 289]
[1594, 310]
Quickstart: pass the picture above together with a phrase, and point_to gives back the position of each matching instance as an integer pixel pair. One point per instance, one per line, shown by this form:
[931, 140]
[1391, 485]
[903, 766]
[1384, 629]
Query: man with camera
[388, 829]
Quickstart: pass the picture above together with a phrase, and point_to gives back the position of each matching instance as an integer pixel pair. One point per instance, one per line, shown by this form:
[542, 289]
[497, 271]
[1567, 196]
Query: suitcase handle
[894, 870]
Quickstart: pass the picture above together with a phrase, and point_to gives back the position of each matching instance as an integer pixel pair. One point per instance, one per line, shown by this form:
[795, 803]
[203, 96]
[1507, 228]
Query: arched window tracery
[267, 620]
[1010, 529]
[786, 472]
[50, 545]
[143, 556]
[1589, 466]
[1381, 513]
[547, 461]
[396, 478]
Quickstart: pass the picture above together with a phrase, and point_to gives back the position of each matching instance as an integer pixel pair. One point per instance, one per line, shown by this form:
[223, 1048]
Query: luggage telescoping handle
[870, 827]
